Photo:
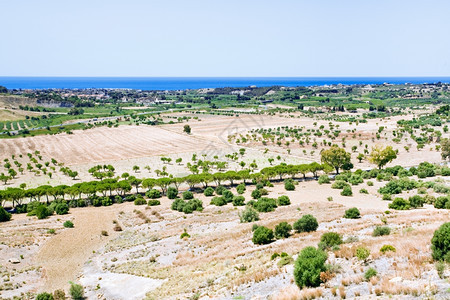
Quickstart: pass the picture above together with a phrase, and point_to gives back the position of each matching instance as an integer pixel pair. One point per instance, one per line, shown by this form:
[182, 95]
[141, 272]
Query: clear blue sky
[225, 38]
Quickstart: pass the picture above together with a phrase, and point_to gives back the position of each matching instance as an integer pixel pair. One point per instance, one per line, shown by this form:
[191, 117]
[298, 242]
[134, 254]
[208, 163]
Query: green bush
[209, 191]
[238, 201]
[440, 243]
[387, 197]
[399, 204]
[4, 215]
[240, 189]
[220, 189]
[308, 266]
[218, 201]
[228, 195]
[347, 191]
[352, 213]
[42, 212]
[62, 208]
[362, 253]
[76, 291]
[283, 200]
[324, 179]
[140, 201]
[441, 202]
[371, 272]
[153, 194]
[187, 206]
[386, 248]
[185, 235]
[339, 184]
[289, 185]
[68, 224]
[153, 202]
[355, 179]
[248, 215]
[369, 183]
[283, 230]
[307, 223]
[329, 240]
[106, 201]
[172, 193]
[188, 195]
[256, 194]
[265, 204]
[363, 191]
[262, 235]
[44, 296]
[416, 201]
[381, 230]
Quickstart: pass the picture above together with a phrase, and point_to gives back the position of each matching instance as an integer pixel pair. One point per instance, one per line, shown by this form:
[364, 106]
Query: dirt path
[63, 256]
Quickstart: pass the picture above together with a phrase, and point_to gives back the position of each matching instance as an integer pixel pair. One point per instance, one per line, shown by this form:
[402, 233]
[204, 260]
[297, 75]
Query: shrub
[283, 200]
[184, 235]
[440, 243]
[324, 179]
[62, 208]
[238, 201]
[416, 201]
[256, 194]
[329, 240]
[441, 202]
[262, 235]
[371, 272]
[76, 291]
[347, 191]
[352, 213]
[209, 191]
[42, 212]
[386, 248]
[308, 266]
[289, 185]
[265, 204]
[140, 201]
[172, 192]
[153, 202]
[248, 215]
[68, 224]
[59, 295]
[399, 204]
[228, 195]
[220, 189]
[187, 206]
[283, 230]
[188, 195]
[218, 201]
[339, 184]
[387, 197]
[44, 296]
[363, 191]
[381, 230]
[362, 253]
[240, 188]
[153, 194]
[355, 179]
[263, 192]
[369, 183]
[4, 215]
[275, 255]
[307, 223]
[106, 201]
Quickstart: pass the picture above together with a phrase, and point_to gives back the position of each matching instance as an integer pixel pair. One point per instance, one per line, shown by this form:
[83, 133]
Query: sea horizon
[184, 83]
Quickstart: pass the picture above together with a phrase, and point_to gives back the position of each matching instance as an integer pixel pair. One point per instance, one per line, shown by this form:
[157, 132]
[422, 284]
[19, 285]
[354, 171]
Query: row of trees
[110, 186]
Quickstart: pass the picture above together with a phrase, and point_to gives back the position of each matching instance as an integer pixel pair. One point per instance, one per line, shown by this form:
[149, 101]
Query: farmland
[206, 194]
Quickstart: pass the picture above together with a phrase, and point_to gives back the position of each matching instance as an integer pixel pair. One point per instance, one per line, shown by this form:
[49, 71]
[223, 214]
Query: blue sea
[183, 83]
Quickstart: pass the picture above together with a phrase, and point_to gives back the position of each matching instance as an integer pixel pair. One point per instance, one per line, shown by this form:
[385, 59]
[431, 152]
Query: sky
[261, 38]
